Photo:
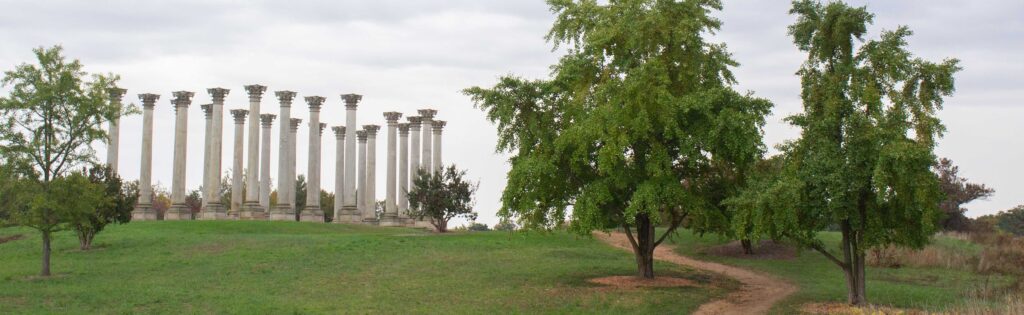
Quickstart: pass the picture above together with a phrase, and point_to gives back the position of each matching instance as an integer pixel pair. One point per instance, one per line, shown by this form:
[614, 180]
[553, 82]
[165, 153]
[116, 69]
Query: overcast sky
[407, 55]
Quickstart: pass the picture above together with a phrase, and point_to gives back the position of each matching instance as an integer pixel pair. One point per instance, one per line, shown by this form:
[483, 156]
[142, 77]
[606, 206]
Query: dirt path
[756, 295]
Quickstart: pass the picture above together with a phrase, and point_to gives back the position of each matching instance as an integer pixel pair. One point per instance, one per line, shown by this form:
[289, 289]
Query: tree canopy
[863, 161]
[637, 127]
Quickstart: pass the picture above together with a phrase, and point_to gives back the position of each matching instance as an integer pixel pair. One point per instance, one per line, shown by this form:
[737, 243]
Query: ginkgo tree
[637, 128]
[863, 161]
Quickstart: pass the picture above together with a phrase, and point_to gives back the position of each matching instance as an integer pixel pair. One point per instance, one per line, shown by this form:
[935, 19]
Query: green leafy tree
[441, 196]
[327, 205]
[300, 195]
[1011, 221]
[958, 192]
[51, 208]
[117, 209]
[637, 127]
[50, 118]
[194, 202]
[863, 161]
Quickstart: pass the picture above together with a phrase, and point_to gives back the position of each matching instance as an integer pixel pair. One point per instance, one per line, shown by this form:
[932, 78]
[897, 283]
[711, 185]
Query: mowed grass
[291, 267]
[930, 289]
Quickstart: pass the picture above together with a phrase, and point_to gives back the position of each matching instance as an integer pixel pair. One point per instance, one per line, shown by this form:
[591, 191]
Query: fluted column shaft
[438, 127]
[178, 209]
[312, 211]
[237, 187]
[371, 166]
[414, 147]
[427, 123]
[144, 209]
[214, 208]
[361, 178]
[252, 165]
[114, 128]
[403, 170]
[339, 171]
[292, 169]
[267, 121]
[281, 210]
[351, 103]
[208, 114]
[391, 185]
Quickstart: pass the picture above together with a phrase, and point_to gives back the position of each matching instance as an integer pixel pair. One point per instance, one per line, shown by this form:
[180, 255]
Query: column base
[391, 220]
[421, 224]
[311, 214]
[347, 215]
[369, 221]
[282, 213]
[213, 211]
[143, 212]
[252, 210]
[178, 212]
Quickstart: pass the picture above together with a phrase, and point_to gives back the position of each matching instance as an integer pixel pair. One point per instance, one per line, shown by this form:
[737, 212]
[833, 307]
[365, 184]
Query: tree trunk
[85, 240]
[645, 247]
[46, 254]
[853, 258]
[748, 247]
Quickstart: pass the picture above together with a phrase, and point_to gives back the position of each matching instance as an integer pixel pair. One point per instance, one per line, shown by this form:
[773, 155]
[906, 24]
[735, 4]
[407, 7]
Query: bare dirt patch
[15, 237]
[631, 282]
[768, 250]
[846, 309]
[757, 295]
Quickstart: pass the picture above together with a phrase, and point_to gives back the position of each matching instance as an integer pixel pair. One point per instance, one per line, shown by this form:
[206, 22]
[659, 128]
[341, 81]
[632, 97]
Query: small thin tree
[117, 209]
[51, 117]
[441, 196]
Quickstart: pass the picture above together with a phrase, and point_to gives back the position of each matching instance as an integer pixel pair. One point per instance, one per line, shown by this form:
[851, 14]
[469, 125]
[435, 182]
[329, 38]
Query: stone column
[280, 211]
[237, 186]
[339, 173]
[371, 167]
[390, 217]
[144, 209]
[178, 209]
[114, 128]
[252, 209]
[312, 211]
[438, 126]
[414, 146]
[361, 179]
[292, 172]
[351, 102]
[267, 121]
[207, 113]
[215, 210]
[403, 172]
[427, 123]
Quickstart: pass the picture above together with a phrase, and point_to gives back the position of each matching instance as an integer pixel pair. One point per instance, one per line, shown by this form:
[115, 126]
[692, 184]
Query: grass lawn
[290, 267]
[932, 289]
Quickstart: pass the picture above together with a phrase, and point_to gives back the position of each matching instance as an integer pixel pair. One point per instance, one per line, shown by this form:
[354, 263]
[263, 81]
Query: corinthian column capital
[392, 117]
[218, 94]
[428, 113]
[285, 97]
[371, 130]
[207, 110]
[149, 99]
[295, 123]
[239, 115]
[116, 94]
[182, 98]
[339, 132]
[438, 125]
[403, 129]
[351, 100]
[315, 102]
[414, 121]
[267, 120]
[255, 92]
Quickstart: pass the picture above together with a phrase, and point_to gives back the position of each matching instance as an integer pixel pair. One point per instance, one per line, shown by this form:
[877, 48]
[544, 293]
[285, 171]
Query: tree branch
[675, 224]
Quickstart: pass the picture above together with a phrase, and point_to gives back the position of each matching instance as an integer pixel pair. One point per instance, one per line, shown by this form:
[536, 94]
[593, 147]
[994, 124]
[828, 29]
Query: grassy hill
[930, 288]
[289, 267]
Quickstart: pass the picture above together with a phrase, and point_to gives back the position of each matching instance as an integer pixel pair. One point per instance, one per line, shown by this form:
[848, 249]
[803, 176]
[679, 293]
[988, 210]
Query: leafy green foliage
[637, 127]
[441, 196]
[50, 118]
[1011, 221]
[958, 192]
[117, 208]
[863, 160]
